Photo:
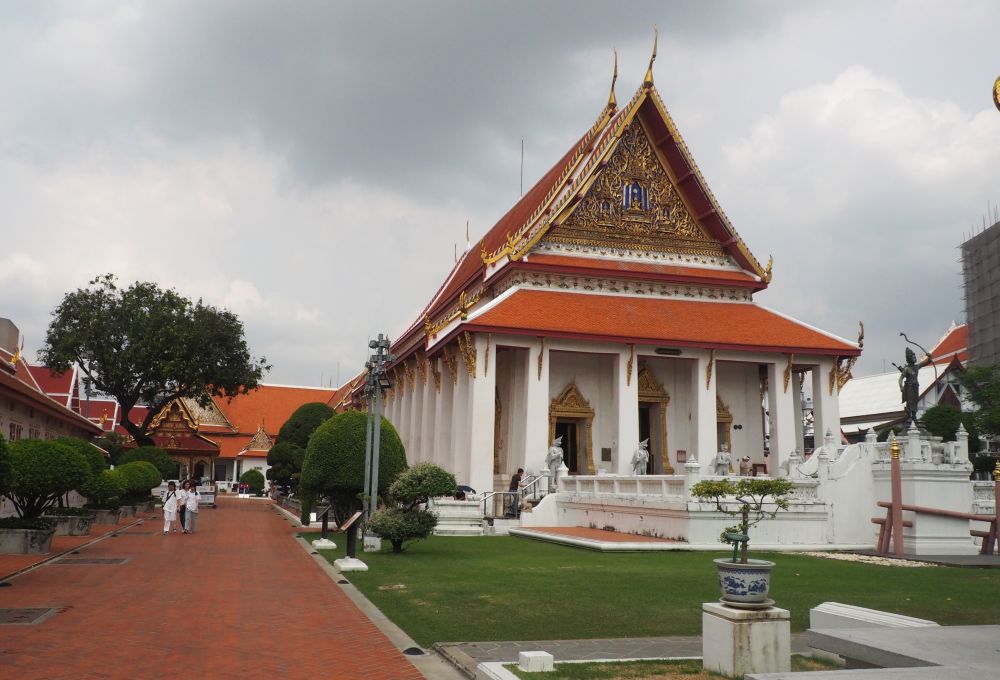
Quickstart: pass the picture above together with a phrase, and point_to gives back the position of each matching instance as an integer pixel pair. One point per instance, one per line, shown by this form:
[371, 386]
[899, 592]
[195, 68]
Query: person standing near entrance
[514, 492]
[192, 510]
[170, 508]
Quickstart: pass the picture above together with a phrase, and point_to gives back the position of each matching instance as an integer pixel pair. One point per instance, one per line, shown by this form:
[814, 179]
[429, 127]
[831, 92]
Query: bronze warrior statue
[909, 385]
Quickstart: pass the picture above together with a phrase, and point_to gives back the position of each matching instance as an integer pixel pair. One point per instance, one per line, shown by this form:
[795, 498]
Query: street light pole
[376, 383]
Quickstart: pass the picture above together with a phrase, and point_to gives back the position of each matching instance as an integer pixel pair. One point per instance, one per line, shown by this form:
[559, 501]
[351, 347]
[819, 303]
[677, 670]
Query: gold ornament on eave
[996, 92]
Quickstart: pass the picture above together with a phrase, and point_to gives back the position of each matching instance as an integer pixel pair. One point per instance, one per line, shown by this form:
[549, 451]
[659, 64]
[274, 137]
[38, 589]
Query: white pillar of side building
[826, 403]
[460, 426]
[704, 413]
[536, 408]
[415, 417]
[781, 416]
[428, 400]
[482, 415]
[403, 419]
[443, 418]
[626, 405]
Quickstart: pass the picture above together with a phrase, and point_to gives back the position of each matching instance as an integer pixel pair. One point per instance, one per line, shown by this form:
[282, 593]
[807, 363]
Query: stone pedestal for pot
[147, 507]
[26, 541]
[72, 525]
[106, 516]
[740, 641]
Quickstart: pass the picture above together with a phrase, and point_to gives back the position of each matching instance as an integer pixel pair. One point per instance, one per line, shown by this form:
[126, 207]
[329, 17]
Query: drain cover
[138, 533]
[92, 560]
[26, 616]
[413, 651]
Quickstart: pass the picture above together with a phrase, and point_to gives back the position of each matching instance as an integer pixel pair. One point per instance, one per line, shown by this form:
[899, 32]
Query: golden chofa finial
[893, 447]
[612, 101]
[767, 270]
[647, 82]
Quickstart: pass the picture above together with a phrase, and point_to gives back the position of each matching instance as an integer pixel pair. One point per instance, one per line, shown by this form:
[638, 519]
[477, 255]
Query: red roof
[657, 321]
[59, 387]
[269, 404]
[954, 344]
[20, 383]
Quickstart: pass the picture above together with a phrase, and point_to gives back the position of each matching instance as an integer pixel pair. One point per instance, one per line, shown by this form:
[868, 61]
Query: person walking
[514, 493]
[182, 503]
[191, 516]
[170, 508]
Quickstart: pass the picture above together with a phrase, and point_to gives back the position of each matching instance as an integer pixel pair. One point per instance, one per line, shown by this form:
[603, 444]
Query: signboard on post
[353, 518]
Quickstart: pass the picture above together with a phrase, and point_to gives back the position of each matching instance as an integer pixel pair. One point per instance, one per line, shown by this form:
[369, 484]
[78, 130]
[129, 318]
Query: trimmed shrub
[159, 458]
[302, 423]
[42, 472]
[140, 477]
[254, 479]
[334, 466]
[103, 490]
[397, 525]
[95, 459]
[285, 459]
[420, 483]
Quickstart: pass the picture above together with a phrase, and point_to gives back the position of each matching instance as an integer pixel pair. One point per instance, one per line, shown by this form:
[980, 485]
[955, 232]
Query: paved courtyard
[238, 599]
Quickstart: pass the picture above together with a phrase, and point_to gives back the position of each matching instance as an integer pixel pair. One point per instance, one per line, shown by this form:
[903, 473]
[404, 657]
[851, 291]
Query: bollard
[897, 498]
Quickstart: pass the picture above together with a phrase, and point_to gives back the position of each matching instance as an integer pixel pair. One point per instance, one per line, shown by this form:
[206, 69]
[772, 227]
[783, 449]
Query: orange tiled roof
[59, 387]
[954, 344]
[658, 321]
[19, 382]
[270, 404]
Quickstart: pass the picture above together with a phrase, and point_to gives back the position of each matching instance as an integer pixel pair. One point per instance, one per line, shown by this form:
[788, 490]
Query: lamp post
[376, 383]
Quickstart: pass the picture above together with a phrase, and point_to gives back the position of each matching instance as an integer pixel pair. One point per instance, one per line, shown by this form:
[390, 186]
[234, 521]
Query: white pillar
[536, 421]
[626, 405]
[403, 424]
[826, 405]
[460, 427]
[429, 402]
[796, 388]
[704, 413]
[781, 416]
[482, 416]
[443, 419]
[416, 398]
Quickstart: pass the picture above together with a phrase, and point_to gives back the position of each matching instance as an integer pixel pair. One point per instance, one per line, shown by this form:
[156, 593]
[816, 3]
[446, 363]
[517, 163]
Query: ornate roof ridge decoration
[261, 441]
[572, 403]
[647, 82]
[466, 301]
[182, 408]
[216, 416]
[650, 389]
[467, 345]
[841, 372]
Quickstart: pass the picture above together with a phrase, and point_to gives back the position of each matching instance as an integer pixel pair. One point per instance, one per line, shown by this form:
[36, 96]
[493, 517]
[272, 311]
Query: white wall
[594, 376]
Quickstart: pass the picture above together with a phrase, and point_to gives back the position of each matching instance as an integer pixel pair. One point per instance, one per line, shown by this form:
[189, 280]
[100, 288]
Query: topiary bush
[285, 461]
[42, 471]
[159, 458]
[104, 490]
[93, 455]
[397, 525]
[302, 423]
[140, 478]
[254, 479]
[334, 465]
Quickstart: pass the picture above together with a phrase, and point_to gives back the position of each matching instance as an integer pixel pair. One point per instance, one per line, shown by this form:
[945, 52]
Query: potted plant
[41, 472]
[103, 493]
[752, 500]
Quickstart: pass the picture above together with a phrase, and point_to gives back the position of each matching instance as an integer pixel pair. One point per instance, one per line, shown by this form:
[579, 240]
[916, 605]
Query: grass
[675, 669]
[504, 588]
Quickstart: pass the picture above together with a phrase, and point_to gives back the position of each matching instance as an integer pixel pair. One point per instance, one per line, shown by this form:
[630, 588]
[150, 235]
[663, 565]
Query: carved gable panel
[633, 205]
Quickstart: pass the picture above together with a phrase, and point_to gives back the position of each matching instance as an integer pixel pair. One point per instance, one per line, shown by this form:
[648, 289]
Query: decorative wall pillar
[416, 404]
[460, 431]
[781, 416]
[796, 388]
[826, 402]
[482, 416]
[626, 405]
[536, 403]
[429, 401]
[443, 412]
[704, 410]
[405, 397]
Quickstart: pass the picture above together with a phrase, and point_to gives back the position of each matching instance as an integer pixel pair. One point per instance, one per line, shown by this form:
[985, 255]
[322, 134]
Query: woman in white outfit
[169, 508]
[191, 516]
[182, 496]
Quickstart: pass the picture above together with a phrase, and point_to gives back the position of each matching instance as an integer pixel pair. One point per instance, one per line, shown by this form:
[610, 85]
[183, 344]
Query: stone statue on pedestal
[723, 459]
[554, 458]
[640, 458]
[746, 467]
[909, 385]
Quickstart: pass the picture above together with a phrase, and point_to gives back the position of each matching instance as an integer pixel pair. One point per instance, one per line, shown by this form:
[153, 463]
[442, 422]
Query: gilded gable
[633, 205]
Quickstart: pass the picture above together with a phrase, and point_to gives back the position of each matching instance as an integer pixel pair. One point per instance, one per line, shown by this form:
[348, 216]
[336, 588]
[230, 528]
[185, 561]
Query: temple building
[612, 304]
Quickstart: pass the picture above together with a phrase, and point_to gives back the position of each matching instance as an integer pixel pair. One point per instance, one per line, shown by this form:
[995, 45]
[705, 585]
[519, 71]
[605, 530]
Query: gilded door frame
[652, 392]
[572, 405]
[723, 416]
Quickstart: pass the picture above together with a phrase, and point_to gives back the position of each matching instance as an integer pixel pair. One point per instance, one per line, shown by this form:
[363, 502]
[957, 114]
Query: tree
[750, 496]
[102, 490]
[140, 477]
[285, 461]
[159, 458]
[42, 472]
[115, 444]
[96, 461]
[6, 472]
[982, 383]
[143, 344]
[406, 522]
[943, 421]
[334, 466]
[254, 479]
[303, 422]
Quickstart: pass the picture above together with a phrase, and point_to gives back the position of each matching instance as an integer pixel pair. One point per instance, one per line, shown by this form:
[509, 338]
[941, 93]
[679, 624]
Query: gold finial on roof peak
[767, 270]
[647, 82]
[612, 101]
[893, 446]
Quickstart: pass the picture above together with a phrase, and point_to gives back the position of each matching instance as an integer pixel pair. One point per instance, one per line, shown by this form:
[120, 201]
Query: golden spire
[996, 472]
[612, 102]
[647, 82]
[893, 446]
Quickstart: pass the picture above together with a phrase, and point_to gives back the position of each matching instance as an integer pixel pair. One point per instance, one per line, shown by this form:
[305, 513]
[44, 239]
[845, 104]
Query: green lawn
[505, 588]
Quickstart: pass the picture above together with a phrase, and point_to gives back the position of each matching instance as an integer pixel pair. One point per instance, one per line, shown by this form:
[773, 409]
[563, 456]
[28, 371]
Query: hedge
[303, 422]
[104, 489]
[95, 459]
[140, 478]
[254, 479]
[42, 472]
[160, 459]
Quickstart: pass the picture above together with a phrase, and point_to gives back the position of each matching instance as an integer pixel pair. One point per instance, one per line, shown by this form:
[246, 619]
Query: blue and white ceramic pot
[744, 582]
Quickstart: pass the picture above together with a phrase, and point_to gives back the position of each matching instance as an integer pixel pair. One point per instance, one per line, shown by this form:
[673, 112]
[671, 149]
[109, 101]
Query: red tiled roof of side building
[658, 321]
[955, 343]
[270, 404]
[25, 390]
[658, 269]
[59, 387]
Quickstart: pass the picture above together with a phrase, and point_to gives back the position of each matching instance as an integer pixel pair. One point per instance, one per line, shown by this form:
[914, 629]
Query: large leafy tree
[146, 345]
[289, 450]
[983, 385]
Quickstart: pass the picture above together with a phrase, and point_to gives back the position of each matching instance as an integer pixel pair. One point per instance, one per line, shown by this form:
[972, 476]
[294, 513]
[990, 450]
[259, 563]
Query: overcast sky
[310, 165]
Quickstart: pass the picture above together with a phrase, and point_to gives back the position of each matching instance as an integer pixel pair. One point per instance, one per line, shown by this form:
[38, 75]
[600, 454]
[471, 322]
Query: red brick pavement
[10, 564]
[238, 599]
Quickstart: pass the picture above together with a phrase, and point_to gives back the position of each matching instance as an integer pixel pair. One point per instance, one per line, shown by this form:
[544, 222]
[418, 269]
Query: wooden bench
[989, 537]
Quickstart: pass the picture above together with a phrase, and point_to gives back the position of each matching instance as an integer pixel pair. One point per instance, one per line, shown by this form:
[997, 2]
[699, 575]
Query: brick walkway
[238, 599]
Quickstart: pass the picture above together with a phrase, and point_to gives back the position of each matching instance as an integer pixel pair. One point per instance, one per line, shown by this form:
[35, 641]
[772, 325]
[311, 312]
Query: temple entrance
[570, 433]
[645, 416]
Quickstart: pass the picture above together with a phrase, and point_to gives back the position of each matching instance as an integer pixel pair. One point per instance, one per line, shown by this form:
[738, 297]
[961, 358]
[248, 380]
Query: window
[34, 433]
[15, 432]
